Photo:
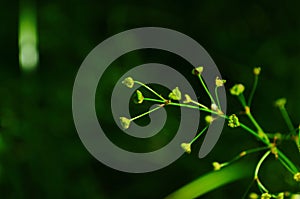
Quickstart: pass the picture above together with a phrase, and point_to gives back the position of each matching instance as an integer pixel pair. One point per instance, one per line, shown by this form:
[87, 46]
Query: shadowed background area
[43, 46]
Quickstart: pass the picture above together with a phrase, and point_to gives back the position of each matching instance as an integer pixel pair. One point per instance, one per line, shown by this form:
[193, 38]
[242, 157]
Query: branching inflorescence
[269, 141]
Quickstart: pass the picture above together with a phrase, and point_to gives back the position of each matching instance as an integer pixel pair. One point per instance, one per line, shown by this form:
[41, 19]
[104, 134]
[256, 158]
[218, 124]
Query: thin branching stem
[217, 97]
[206, 89]
[150, 89]
[260, 185]
[287, 119]
[241, 97]
[253, 90]
[146, 113]
[291, 167]
[203, 130]
[244, 153]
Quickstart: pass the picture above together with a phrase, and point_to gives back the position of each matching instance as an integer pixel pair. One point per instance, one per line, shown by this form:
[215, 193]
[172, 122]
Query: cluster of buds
[233, 121]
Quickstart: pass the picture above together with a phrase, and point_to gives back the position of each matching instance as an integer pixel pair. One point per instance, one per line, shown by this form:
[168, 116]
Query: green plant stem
[253, 90]
[254, 122]
[150, 89]
[146, 113]
[259, 129]
[257, 170]
[197, 103]
[281, 155]
[285, 165]
[203, 130]
[206, 89]
[291, 167]
[213, 180]
[260, 163]
[241, 97]
[217, 96]
[254, 133]
[261, 187]
[154, 100]
[298, 141]
[183, 105]
[248, 189]
[247, 152]
[287, 118]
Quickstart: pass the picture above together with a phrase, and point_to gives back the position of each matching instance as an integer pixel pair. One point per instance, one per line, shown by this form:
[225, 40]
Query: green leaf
[213, 180]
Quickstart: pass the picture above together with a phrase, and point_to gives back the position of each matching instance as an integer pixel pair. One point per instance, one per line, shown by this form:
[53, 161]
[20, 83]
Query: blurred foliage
[41, 155]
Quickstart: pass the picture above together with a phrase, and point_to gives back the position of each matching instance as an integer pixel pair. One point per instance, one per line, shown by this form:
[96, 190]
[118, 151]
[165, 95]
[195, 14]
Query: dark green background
[41, 155]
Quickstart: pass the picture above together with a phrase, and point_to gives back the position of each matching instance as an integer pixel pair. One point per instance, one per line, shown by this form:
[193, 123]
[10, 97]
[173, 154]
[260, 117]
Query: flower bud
[220, 82]
[253, 196]
[217, 166]
[175, 94]
[209, 119]
[256, 70]
[266, 196]
[280, 103]
[186, 147]
[233, 121]
[197, 71]
[280, 195]
[188, 99]
[214, 107]
[297, 177]
[129, 82]
[125, 122]
[237, 89]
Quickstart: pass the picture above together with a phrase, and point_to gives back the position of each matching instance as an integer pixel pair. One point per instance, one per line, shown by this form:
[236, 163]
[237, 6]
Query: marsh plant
[269, 142]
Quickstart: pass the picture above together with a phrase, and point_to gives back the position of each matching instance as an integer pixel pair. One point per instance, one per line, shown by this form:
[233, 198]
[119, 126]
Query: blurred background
[45, 42]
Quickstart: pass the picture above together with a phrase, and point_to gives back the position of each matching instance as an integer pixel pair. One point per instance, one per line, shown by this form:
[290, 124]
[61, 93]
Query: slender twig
[253, 90]
[150, 89]
[203, 130]
[287, 119]
[260, 185]
[217, 96]
[206, 89]
[146, 113]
